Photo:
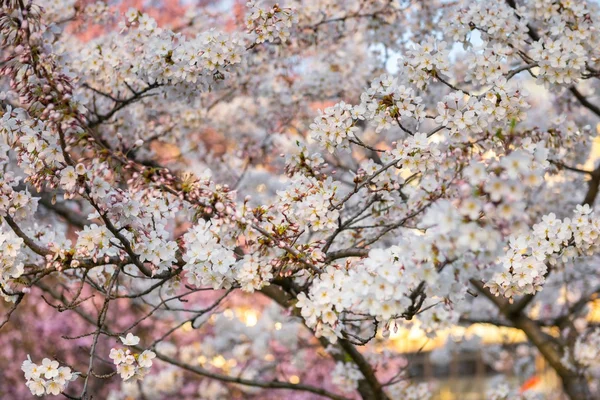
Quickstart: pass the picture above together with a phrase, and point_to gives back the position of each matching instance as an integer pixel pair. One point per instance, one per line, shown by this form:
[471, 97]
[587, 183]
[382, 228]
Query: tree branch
[42, 251]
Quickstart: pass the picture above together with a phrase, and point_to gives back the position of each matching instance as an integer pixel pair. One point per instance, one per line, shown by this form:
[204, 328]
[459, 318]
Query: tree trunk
[576, 388]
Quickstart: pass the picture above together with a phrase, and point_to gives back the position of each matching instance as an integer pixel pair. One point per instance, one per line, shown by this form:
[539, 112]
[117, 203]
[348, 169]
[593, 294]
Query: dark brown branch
[369, 388]
[248, 382]
[365, 368]
[593, 185]
[574, 384]
[137, 95]
[12, 309]
[351, 252]
[71, 216]
[569, 168]
[584, 101]
[535, 36]
[522, 68]
[42, 251]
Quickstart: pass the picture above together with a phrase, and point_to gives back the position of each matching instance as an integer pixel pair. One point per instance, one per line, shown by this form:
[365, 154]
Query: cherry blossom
[268, 194]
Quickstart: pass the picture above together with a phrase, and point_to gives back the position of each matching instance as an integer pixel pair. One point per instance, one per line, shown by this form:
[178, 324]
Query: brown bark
[369, 388]
[574, 385]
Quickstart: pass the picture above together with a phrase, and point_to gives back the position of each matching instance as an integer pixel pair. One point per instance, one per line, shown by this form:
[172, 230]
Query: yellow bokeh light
[414, 339]
[218, 361]
[294, 379]
[278, 326]
[250, 317]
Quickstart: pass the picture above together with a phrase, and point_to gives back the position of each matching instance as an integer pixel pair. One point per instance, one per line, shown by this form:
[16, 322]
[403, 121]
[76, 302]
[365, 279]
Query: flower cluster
[586, 351]
[497, 22]
[56, 10]
[563, 53]
[20, 205]
[36, 145]
[561, 60]
[161, 56]
[383, 285]
[504, 392]
[143, 218]
[302, 161]
[334, 127]
[309, 201]
[132, 366]
[252, 274]
[94, 241]
[464, 115]
[551, 241]
[443, 161]
[97, 12]
[207, 261]
[487, 64]
[268, 25]
[11, 267]
[416, 153]
[346, 375]
[500, 180]
[424, 60]
[69, 176]
[387, 102]
[47, 378]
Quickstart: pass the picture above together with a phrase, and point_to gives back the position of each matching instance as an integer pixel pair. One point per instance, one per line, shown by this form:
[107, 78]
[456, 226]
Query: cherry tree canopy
[334, 171]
